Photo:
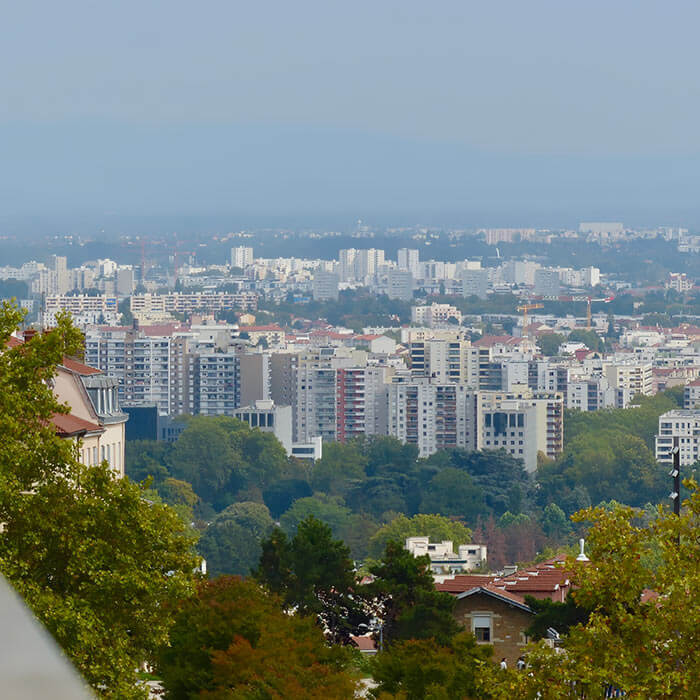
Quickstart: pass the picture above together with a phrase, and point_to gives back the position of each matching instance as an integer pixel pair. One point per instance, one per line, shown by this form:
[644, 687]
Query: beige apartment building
[95, 419]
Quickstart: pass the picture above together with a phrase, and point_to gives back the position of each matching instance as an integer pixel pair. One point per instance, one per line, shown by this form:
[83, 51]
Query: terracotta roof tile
[79, 367]
[68, 425]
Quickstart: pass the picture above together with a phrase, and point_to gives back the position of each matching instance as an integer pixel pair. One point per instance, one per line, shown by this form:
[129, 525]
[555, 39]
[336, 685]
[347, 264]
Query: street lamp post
[676, 474]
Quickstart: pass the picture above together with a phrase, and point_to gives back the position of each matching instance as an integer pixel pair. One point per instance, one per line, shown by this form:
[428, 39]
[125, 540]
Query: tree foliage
[231, 544]
[642, 632]
[436, 527]
[233, 641]
[97, 563]
[408, 603]
[549, 343]
[416, 669]
[313, 573]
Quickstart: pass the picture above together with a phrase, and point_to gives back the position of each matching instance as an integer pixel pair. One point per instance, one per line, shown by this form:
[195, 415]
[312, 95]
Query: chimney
[582, 554]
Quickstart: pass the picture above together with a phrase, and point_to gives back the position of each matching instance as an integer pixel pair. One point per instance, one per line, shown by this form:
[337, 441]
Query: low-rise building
[443, 559]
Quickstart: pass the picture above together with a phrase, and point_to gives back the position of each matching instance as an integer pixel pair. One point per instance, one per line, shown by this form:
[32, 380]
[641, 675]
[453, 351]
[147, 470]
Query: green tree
[98, 564]
[328, 510]
[408, 604]
[610, 464]
[417, 669]
[342, 465]
[452, 492]
[554, 522]
[502, 478]
[208, 456]
[314, 574]
[549, 343]
[436, 527]
[280, 495]
[589, 338]
[231, 544]
[555, 615]
[641, 634]
[233, 641]
[146, 458]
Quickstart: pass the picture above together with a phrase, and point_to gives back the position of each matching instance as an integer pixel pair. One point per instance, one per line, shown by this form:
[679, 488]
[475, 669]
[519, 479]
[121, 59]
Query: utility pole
[675, 473]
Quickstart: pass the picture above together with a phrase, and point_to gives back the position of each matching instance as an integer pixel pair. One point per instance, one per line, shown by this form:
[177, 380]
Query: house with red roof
[493, 607]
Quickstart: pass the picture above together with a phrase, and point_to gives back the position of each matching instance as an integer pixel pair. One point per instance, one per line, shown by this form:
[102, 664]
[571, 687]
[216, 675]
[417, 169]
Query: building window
[481, 627]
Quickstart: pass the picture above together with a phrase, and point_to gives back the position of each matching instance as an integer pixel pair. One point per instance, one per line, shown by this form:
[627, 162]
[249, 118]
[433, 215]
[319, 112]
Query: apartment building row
[196, 370]
[151, 306]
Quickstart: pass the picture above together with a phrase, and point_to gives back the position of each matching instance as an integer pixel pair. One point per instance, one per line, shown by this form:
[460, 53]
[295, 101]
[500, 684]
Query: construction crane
[590, 301]
[525, 308]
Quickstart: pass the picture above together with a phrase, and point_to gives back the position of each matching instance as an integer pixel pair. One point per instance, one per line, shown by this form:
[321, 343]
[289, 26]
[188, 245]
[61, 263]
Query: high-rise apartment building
[325, 285]
[399, 285]
[547, 283]
[475, 283]
[409, 259]
[241, 256]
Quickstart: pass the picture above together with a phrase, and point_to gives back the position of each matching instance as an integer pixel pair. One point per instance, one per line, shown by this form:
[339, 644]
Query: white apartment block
[325, 285]
[443, 559]
[435, 315]
[444, 360]
[443, 416]
[629, 380]
[217, 383]
[590, 394]
[241, 256]
[522, 423]
[430, 416]
[691, 395]
[84, 309]
[679, 282]
[208, 302]
[475, 283]
[408, 259]
[547, 282]
[399, 285]
[680, 427]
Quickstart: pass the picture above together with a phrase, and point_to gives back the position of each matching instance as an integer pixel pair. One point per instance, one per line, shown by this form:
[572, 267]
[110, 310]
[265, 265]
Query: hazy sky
[473, 108]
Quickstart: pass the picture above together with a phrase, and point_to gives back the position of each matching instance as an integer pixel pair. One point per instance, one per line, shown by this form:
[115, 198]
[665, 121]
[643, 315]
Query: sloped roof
[463, 582]
[68, 425]
[498, 594]
[79, 367]
[364, 642]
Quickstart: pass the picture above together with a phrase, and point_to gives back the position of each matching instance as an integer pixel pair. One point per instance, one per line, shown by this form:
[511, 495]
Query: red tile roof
[68, 425]
[463, 582]
[79, 367]
[13, 342]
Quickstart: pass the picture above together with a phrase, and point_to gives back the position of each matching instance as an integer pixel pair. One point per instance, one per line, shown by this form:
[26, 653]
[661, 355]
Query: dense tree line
[235, 484]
